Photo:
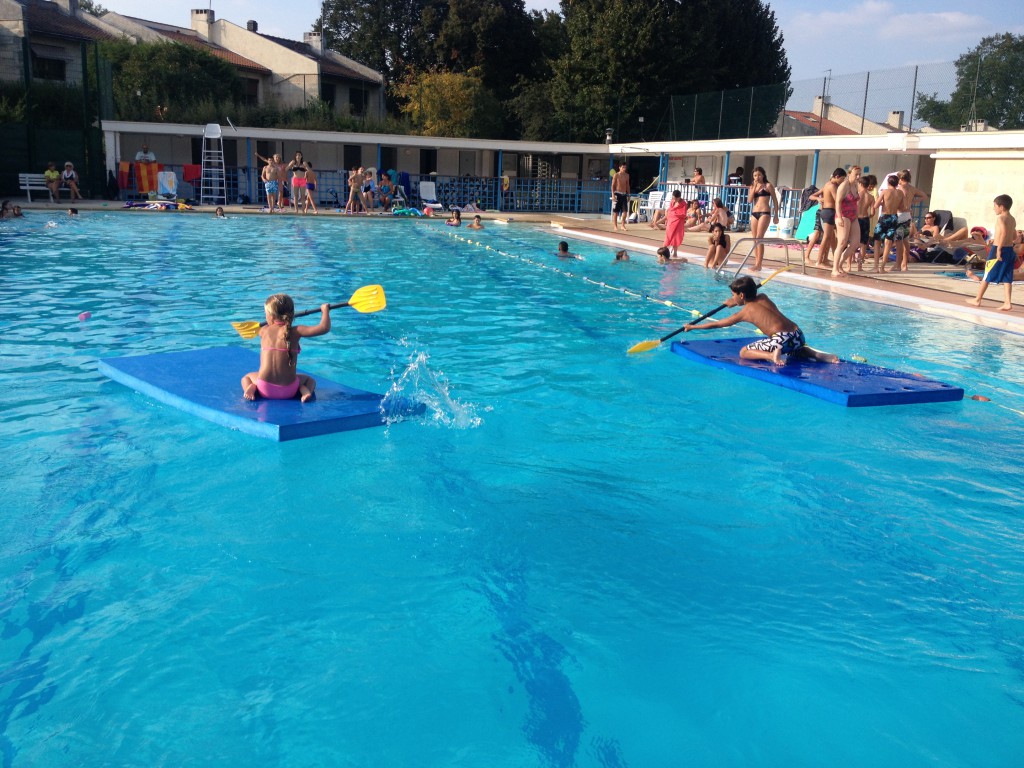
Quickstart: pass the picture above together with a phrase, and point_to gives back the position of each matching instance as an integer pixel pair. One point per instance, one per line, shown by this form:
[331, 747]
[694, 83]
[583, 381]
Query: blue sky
[855, 36]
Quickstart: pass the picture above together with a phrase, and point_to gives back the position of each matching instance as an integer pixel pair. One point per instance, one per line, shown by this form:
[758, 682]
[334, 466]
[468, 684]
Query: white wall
[967, 188]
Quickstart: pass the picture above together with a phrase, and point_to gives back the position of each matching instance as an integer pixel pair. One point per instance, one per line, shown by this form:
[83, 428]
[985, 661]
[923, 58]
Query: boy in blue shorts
[1001, 257]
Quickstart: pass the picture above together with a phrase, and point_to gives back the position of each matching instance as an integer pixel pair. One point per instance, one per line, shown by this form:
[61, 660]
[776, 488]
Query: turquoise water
[577, 558]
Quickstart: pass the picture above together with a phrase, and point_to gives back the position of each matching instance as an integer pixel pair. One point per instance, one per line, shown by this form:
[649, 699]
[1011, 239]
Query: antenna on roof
[231, 124]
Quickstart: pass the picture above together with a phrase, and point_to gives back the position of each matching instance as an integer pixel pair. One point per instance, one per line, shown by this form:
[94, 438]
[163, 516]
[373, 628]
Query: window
[49, 69]
[252, 91]
[358, 98]
[327, 94]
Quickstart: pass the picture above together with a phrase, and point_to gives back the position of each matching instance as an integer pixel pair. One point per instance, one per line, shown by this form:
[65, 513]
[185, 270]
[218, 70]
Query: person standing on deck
[620, 197]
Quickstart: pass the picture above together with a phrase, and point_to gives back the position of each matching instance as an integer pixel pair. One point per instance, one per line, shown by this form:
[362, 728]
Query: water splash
[419, 383]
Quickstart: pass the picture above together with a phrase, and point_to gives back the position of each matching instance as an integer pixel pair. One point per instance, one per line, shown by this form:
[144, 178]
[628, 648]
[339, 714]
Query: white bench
[30, 182]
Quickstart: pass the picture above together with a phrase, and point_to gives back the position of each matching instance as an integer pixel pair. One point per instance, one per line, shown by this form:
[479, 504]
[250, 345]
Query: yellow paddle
[369, 298]
[644, 346]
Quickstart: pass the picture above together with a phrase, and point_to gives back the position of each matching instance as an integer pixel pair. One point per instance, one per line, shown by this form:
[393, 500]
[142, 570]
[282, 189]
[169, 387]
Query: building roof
[187, 37]
[823, 127]
[328, 66]
[45, 18]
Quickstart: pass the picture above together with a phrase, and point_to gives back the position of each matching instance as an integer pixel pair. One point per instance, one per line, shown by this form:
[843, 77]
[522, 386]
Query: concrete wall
[967, 188]
[12, 32]
[297, 77]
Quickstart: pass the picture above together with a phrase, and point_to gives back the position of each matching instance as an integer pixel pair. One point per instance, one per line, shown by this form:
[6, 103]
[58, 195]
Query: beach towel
[124, 169]
[146, 176]
[167, 184]
[803, 231]
[191, 172]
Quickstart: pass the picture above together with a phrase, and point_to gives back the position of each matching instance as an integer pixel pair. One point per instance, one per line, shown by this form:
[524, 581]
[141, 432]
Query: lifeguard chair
[212, 183]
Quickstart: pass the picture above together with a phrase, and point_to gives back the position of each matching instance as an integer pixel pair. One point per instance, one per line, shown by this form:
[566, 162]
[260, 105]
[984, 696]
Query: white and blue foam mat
[206, 383]
[847, 383]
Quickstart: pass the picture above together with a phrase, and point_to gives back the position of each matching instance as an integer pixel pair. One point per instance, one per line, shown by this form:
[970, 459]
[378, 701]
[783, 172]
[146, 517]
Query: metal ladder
[755, 241]
[212, 183]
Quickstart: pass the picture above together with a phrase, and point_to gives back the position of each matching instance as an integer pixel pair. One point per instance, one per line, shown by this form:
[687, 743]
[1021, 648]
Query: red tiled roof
[48, 19]
[186, 38]
[327, 65]
[824, 127]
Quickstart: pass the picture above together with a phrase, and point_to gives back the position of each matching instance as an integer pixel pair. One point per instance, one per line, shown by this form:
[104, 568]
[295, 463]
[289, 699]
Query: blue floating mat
[846, 383]
[206, 383]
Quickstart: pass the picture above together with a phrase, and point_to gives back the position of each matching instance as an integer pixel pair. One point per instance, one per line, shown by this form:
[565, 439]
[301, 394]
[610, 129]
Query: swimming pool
[578, 557]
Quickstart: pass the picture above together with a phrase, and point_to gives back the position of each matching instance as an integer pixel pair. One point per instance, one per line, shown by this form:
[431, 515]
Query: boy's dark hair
[892, 180]
[698, 169]
[744, 285]
[840, 172]
[664, 252]
[1004, 201]
[563, 246]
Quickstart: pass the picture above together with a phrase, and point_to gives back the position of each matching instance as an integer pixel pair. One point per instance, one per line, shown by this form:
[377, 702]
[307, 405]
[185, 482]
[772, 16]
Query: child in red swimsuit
[277, 378]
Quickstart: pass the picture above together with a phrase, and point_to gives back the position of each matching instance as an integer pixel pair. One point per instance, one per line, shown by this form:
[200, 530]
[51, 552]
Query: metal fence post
[913, 101]
[864, 112]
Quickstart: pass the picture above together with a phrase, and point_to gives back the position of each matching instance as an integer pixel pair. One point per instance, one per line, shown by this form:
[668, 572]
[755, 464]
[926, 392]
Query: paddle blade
[369, 298]
[248, 329]
[643, 346]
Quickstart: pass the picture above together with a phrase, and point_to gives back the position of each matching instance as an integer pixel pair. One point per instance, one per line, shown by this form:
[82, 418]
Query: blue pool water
[577, 558]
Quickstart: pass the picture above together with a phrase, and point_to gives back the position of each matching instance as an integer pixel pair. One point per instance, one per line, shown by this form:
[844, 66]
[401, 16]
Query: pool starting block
[847, 383]
[206, 383]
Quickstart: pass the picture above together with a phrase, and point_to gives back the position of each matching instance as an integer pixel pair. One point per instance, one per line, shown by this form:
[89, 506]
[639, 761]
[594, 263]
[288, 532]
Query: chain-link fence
[863, 103]
[48, 112]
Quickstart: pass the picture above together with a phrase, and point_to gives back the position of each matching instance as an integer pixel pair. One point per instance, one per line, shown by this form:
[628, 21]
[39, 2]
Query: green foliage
[12, 102]
[995, 89]
[170, 76]
[449, 104]
[387, 36]
[91, 6]
[622, 58]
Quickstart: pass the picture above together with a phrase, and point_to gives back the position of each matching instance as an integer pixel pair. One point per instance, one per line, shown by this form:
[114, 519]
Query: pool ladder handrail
[785, 242]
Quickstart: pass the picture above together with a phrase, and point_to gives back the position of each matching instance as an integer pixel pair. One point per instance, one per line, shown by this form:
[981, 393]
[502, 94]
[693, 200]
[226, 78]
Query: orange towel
[145, 176]
[124, 169]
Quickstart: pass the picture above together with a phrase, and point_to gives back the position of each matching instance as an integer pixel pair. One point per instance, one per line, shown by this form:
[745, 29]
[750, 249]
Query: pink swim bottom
[277, 391]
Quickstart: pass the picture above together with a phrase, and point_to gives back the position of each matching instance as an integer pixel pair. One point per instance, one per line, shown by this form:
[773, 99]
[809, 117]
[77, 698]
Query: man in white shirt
[144, 155]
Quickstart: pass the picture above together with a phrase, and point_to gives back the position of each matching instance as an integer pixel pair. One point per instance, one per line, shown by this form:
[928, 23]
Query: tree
[450, 104]
[168, 76]
[92, 7]
[624, 58]
[389, 37]
[988, 86]
[496, 37]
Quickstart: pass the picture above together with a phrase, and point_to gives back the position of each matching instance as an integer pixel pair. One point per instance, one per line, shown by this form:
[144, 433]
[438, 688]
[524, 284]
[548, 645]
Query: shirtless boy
[269, 177]
[784, 337]
[889, 202]
[827, 195]
[620, 197]
[911, 195]
[999, 267]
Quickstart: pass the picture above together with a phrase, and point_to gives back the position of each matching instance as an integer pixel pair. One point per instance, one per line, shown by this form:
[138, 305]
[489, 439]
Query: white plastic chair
[654, 201]
[428, 196]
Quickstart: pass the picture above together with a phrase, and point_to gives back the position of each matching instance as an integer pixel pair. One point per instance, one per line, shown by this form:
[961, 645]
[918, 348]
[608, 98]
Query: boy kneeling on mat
[784, 336]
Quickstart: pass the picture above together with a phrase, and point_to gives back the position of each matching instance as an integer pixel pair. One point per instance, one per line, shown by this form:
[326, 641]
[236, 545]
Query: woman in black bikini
[763, 200]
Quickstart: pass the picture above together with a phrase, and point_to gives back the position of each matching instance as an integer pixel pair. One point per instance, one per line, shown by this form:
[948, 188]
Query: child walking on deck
[1001, 258]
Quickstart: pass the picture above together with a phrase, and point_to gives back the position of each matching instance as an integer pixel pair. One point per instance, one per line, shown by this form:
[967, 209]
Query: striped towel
[124, 169]
[146, 176]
